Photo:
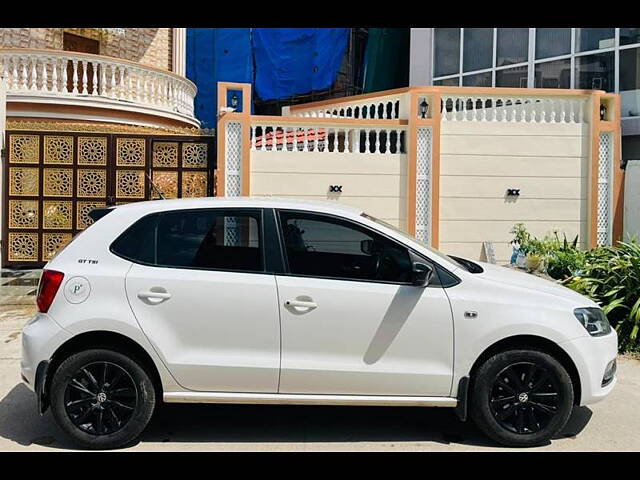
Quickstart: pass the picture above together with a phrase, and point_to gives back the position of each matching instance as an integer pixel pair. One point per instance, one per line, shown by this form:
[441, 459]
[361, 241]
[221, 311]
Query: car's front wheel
[102, 399]
[521, 398]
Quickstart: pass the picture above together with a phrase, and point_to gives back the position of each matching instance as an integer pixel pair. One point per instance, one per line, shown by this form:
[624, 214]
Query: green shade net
[386, 59]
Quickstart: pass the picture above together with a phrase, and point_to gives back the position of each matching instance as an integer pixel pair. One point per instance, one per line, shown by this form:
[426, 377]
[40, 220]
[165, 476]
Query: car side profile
[263, 300]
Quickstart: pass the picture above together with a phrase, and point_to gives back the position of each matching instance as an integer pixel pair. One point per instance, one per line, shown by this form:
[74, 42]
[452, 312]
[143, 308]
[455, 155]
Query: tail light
[49, 284]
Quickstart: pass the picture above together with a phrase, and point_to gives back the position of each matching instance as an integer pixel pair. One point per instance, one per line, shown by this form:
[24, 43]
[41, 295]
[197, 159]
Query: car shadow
[199, 423]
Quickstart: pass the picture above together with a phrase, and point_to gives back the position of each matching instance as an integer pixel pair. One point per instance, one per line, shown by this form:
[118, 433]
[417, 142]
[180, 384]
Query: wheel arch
[109, 340]
[532, 342]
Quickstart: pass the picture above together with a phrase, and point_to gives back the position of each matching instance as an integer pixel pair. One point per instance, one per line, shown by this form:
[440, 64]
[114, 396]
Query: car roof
[324, 206]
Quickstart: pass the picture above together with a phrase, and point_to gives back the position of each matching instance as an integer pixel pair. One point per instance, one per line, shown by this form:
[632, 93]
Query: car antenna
[155, 187]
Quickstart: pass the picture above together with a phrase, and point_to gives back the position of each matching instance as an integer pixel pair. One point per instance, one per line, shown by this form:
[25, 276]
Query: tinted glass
[594, 38]
[629, 36]
[210, 239]
[556, 74]
[137, 243]
[478, 49]
[327, 247]
[477, 80]
[448, 82]
[552, 42]
[512, 77]
[630, 82]
[595, 72]
[446, 51]
[513, 46]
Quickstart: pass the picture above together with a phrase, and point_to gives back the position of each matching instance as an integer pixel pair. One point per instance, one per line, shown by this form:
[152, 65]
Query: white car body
[230, 336]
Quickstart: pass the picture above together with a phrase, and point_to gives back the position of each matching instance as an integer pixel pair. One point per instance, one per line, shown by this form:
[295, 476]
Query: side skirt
[307, 399]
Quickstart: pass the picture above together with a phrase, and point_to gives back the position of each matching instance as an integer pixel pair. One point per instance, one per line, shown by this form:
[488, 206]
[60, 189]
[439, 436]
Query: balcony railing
[71, 75]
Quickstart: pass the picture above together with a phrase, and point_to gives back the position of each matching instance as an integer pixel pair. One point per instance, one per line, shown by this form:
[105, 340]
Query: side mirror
[421, 274]
[366, 247]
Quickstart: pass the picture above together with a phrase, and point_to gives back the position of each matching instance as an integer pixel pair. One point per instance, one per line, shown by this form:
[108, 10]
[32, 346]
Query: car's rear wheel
[101, 398]
[521, 398]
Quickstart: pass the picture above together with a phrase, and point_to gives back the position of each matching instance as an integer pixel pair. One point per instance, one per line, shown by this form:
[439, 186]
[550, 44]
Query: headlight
[594, 320]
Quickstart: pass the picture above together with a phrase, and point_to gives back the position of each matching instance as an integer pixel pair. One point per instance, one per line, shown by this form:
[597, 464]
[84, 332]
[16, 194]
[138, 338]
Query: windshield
[409, 237]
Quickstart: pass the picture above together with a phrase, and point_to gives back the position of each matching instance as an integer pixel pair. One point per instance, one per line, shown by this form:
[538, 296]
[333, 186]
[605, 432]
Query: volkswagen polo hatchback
[248, 300]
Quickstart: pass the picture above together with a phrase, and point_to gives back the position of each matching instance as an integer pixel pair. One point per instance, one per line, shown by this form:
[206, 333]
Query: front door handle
[155, 295]
[301, 304]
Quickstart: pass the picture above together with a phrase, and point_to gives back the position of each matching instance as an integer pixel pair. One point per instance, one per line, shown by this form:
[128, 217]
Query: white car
[262, 300]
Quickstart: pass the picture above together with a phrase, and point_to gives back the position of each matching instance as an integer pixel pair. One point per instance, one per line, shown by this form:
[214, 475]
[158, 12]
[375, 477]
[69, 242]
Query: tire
[514, 404]
[109, 406]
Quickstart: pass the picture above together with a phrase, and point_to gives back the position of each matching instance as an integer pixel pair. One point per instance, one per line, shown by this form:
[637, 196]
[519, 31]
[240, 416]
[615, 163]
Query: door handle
[300, 304]
[154, 296]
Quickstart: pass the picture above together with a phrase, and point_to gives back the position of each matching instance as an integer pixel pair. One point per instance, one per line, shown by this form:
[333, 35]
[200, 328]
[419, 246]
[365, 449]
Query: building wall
[149, 46]
[632, 200]
[380, 189]
[549, 163]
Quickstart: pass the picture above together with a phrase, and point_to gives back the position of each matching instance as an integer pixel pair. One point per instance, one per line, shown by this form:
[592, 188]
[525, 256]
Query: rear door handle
[300, 304]
[152, 296]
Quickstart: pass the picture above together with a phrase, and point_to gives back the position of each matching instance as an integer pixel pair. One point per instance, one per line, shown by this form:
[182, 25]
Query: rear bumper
[591, 356]
[41, 336]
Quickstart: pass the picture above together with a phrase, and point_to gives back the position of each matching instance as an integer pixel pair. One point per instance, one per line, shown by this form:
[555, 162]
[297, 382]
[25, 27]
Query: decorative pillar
[179, 51]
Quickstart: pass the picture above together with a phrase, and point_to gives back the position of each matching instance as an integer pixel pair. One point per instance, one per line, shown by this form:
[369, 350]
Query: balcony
[94, 87]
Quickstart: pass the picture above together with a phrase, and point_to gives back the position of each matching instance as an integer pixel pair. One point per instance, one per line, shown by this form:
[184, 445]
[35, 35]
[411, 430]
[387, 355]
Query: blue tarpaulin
[292, 61]
[216, 55]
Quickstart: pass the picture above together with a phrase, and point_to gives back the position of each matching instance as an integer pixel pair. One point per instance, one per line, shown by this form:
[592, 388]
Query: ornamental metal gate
[52, 180]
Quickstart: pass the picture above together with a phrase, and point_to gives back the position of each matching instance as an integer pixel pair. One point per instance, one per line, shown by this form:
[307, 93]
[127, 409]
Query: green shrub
[611, 277]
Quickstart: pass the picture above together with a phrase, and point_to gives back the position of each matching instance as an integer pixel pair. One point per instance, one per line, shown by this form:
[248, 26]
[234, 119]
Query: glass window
[630, 82]
[446, 51]
[595, 72]
[478, 49]
[216, 239]
[322, 246]
[137, 243]
[594, 38]
[552, 42]
[629, 36]
[556, 74]
[512, 77]
[477, 80]
[513, 46]
[448, 82]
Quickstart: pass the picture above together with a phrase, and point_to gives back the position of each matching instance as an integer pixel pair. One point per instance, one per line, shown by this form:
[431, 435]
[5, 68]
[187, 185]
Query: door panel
[364, 338]
[218, 331]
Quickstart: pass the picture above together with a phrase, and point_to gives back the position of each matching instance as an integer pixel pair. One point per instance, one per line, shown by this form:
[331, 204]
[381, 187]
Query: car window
[210, 239]
[323, 246]
[137, 243]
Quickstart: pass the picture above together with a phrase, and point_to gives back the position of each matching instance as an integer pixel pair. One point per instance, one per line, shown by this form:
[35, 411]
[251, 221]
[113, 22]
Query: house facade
[92, 117]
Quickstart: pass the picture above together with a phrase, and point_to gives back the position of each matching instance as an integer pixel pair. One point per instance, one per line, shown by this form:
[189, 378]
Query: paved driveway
[613, 424]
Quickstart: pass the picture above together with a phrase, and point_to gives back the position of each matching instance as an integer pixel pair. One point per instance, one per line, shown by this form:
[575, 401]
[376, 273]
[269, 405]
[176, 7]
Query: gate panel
[52, 180]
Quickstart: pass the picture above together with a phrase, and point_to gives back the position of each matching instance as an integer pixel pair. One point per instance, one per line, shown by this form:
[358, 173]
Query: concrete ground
[613, 424]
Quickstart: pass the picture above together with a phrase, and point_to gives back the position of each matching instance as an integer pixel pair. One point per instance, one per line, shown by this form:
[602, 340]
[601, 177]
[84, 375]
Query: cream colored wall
[377, 183]
[149, 46]
[479, 161]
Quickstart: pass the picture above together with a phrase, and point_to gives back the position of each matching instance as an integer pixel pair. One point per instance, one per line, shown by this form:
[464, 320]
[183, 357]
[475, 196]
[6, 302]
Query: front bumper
[41, 337]
[592, 356]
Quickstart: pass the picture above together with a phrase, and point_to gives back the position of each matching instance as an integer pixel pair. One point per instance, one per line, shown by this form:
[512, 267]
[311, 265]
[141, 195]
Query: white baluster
[253, 138]
[305, 141]
[377, 137]
[45, 79]
[294, 140]
[25, 77]
[54, 75]
[347, 131]
[367, 145]
[34, 74]
[74, 77]
[263, 138]
[84, 90]
[356, 140]
[387, 143]
[398, 145]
